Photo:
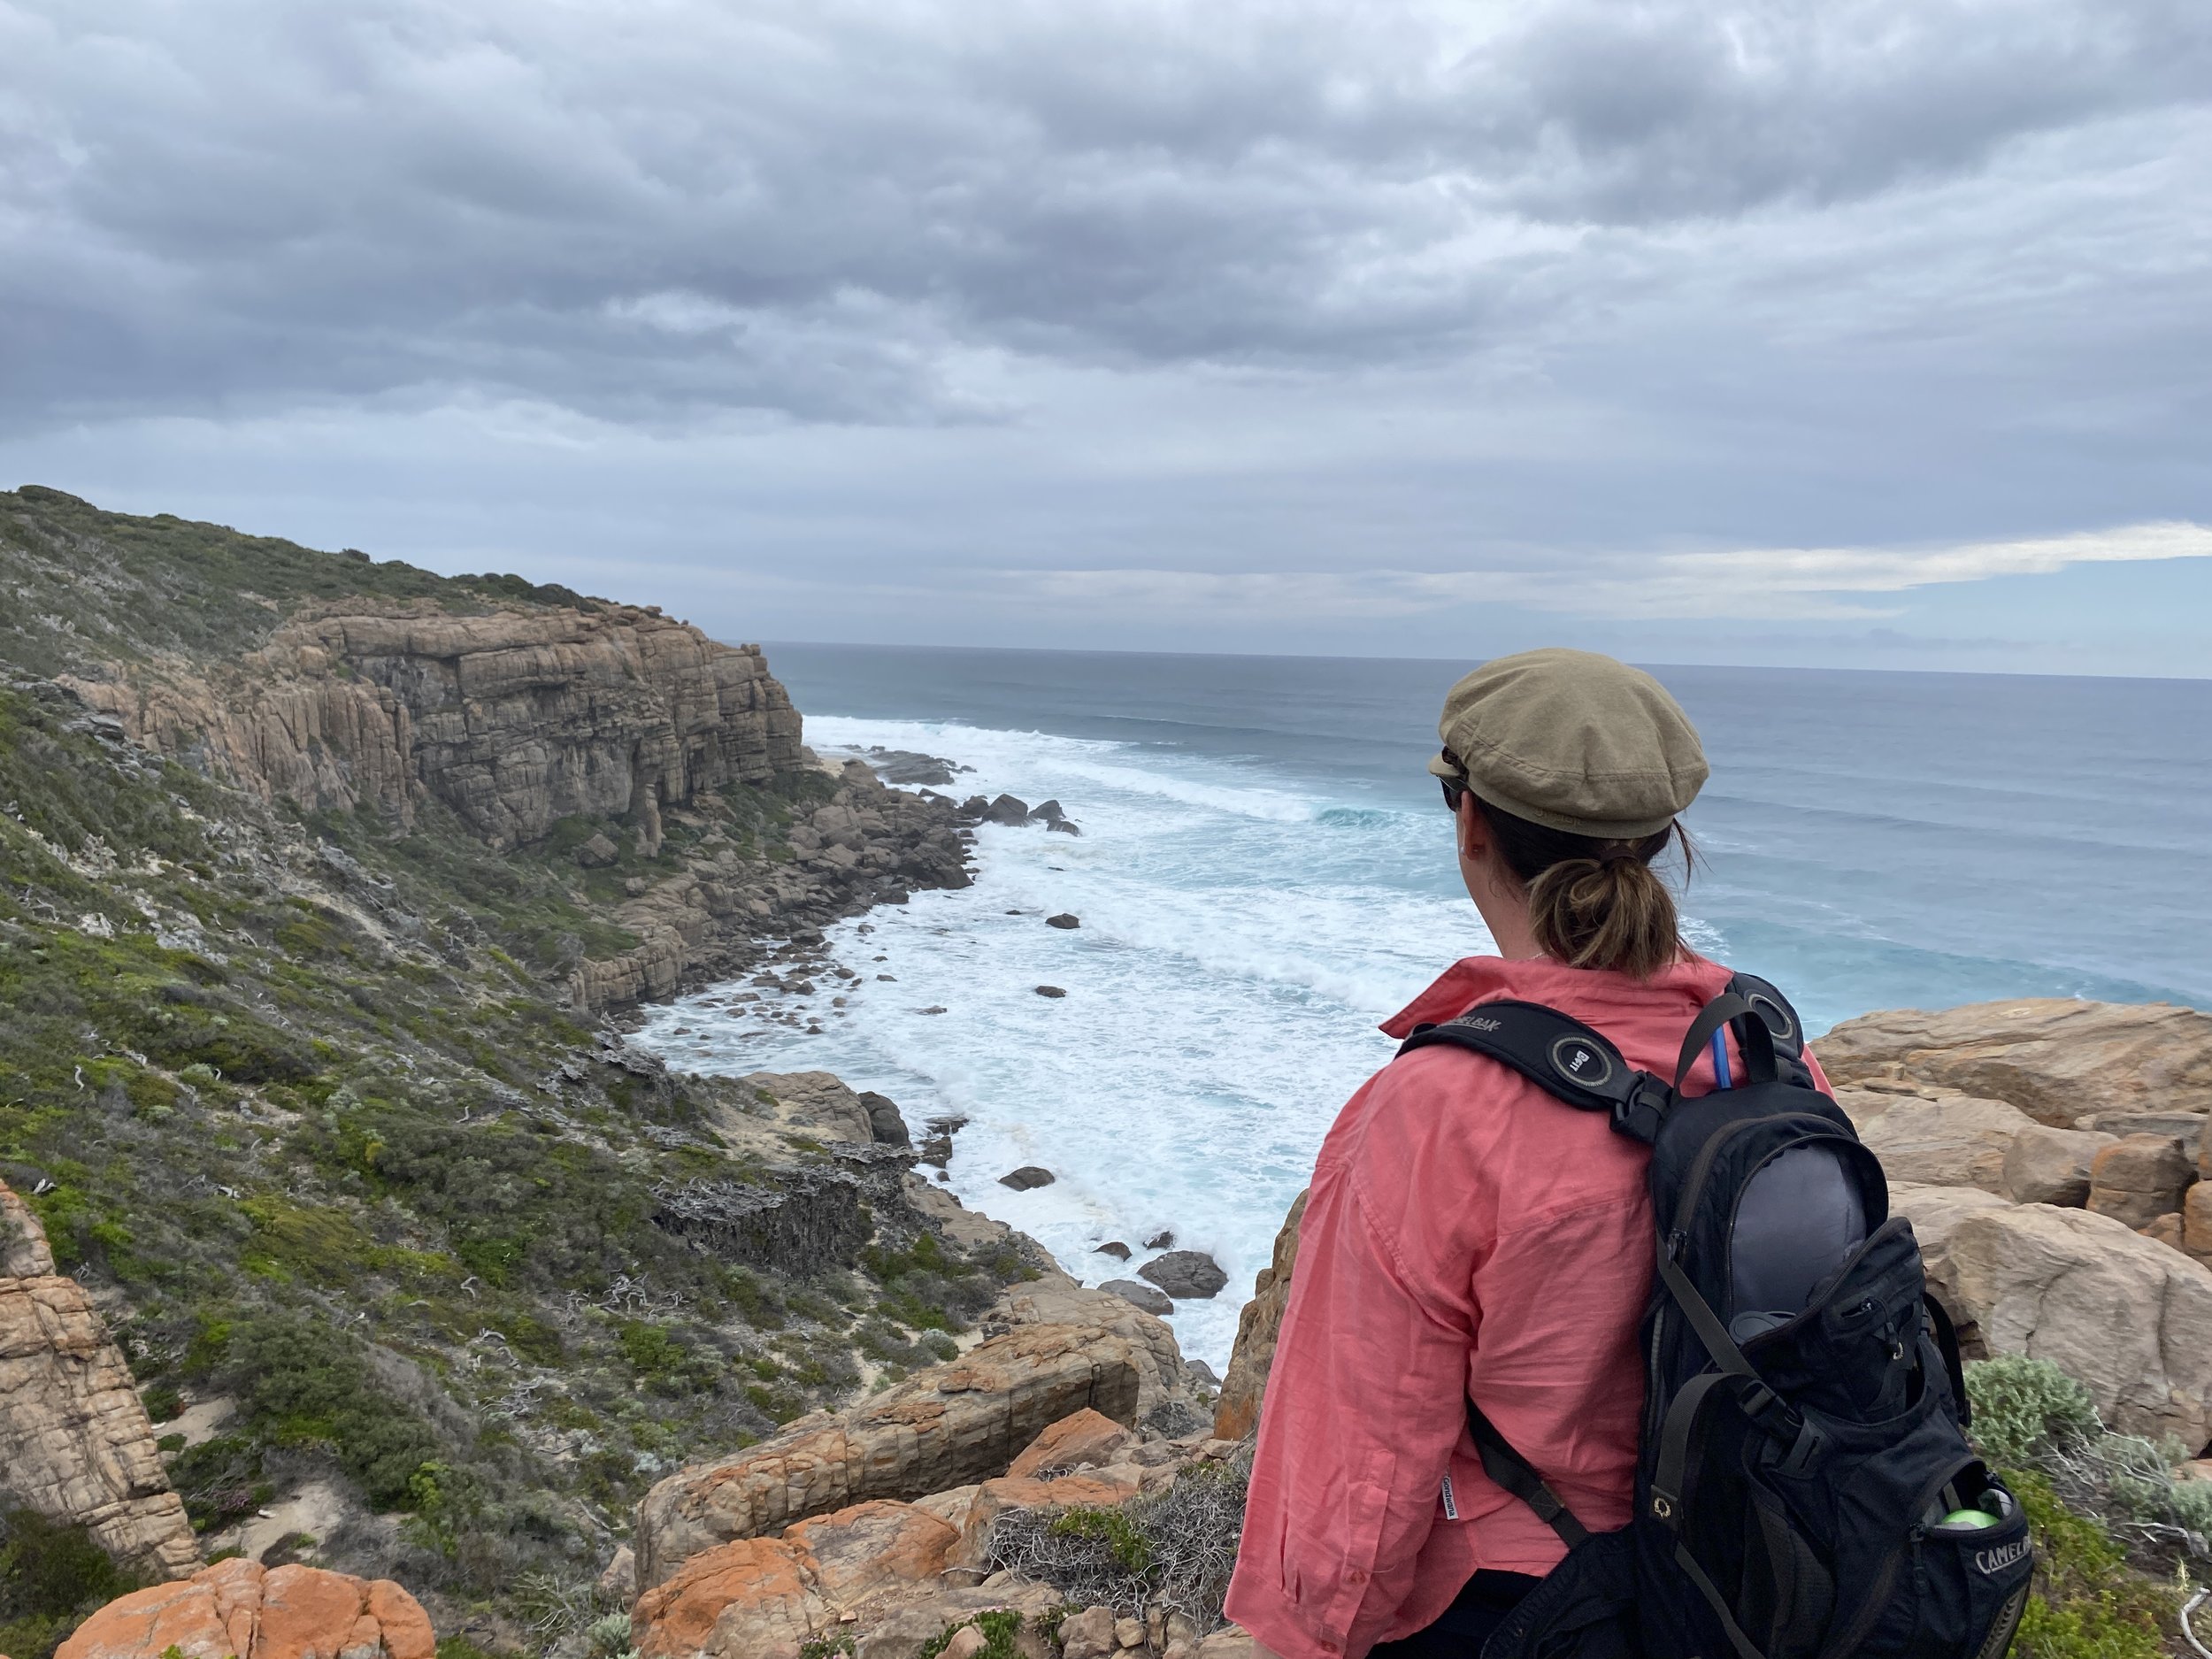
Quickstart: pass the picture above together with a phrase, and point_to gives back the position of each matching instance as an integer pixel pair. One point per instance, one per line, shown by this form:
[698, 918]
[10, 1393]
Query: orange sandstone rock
[240, 1610]
[765, 1598]
[1085, 1439]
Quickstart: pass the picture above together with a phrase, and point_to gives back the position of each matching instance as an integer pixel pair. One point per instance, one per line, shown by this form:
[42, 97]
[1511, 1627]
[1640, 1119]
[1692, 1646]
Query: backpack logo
[1473, 1024]
[1995, 1561]
[1577, 1061]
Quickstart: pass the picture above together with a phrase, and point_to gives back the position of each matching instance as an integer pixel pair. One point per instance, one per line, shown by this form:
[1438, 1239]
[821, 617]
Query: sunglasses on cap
[1455, 788]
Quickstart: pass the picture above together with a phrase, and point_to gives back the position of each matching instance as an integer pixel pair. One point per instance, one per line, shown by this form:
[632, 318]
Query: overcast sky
[1856, 332]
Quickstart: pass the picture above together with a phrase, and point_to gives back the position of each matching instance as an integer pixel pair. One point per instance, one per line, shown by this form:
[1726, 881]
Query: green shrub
[1000, 1631]
[2023, 1407]
[51, 1575]
[2086, 1604]
[1125, 1543]
[219, 1479]
[300, 1383]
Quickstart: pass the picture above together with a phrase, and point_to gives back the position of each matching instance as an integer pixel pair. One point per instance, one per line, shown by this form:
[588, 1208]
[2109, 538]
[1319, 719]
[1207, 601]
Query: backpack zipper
[1886, 1581]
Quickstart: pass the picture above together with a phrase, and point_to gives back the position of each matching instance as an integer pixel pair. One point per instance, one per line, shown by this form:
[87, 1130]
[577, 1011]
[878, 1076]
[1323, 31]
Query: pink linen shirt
[1467, 1233]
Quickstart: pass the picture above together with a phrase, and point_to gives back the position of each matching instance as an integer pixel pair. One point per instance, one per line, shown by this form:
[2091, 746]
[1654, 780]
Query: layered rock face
[515, 719]
[75, 1444]
[943, 1427]
[2057, 1061]
[240, 1610]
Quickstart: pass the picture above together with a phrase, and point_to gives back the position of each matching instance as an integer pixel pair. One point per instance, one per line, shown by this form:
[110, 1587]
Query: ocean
[1266, 870]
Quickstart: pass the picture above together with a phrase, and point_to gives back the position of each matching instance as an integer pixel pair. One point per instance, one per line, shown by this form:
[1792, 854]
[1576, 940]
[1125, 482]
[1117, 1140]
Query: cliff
[515, 719]
[646, 760]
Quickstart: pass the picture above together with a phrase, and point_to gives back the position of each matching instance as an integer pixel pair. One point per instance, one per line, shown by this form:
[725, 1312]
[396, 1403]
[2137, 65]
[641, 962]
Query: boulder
[944, 1426]
[767, 1598]
[1114, 1247]
[2196, 1221]
[952, 1507]
[1161, 1241]
[619, 1581]
[1027, 1178]
[1056, 1300]
[1089, 1634]
[75, 1443]
[239, 1606]
[598, 853]
[2139, 1180]
[1064, 826]
[1087, 1439]
[2054, 1059]
[816, 1102]
[1139, 1295]
[1065, 919]
[1049, 813]
[904, 765]
[1052, 991]
[2166, 1230]
[1006, 810]
[2128, 1318]
[1236, 1410]
[1957, 1140]
[2051, 1166]
[884, 1121]
[1187, 1275]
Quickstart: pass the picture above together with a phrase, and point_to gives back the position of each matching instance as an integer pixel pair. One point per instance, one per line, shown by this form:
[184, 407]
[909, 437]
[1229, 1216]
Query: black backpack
[1804, 1487]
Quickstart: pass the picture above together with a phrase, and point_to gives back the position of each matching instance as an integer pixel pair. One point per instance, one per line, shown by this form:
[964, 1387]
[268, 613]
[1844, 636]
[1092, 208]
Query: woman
[1468, 1235]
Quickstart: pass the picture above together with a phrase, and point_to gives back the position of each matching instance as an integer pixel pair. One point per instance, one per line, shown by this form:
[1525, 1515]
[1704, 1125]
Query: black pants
[1459, 1633]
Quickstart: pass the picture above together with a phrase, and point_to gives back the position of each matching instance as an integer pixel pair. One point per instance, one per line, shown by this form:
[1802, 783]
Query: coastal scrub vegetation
[2115, 1532]
[51, 1575]
[169, 586]
[302, 1098]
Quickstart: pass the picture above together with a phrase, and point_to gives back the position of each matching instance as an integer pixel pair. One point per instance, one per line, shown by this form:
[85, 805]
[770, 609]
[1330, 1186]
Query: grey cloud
[840, 211]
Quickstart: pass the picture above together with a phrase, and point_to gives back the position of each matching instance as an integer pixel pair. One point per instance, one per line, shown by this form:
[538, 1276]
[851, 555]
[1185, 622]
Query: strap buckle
[1640, 1111]
[1805, 1451]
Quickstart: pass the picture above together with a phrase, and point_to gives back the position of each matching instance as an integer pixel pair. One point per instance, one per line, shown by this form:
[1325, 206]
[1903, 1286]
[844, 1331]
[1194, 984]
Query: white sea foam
[1239, 941]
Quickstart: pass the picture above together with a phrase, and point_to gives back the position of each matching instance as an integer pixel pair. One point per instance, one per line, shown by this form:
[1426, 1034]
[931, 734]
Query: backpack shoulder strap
[1561, 1055]
[1782, 1024]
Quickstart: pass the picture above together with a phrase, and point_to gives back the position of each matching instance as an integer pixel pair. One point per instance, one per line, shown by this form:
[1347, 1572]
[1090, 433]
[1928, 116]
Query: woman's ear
[1473, 831]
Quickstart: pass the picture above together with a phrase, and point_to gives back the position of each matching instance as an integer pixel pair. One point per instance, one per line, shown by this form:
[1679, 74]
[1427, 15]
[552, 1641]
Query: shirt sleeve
[1363, 1408]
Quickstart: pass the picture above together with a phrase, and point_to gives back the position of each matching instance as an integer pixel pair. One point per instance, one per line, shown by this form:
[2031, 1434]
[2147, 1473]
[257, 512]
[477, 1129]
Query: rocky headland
[364, 1291]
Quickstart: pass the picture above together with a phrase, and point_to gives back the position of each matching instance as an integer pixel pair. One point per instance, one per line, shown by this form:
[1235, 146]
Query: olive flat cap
[1574, 741]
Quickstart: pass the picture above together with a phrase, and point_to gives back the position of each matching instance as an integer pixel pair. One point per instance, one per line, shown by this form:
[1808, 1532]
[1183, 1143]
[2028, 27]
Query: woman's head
[1565, 772]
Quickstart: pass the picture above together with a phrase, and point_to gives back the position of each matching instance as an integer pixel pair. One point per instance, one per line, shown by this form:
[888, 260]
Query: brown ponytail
[1594, 903]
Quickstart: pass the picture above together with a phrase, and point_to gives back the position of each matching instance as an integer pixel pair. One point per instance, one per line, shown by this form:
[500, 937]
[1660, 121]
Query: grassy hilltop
[301, 1098]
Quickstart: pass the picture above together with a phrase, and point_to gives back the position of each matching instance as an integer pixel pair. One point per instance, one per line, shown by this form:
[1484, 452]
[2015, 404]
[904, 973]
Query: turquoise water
[1266, 870]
